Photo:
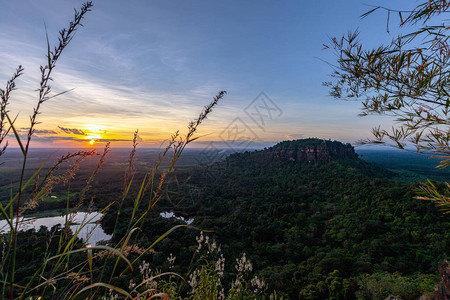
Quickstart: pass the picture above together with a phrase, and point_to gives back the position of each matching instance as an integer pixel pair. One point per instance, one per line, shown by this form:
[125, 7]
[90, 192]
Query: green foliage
[309, 226]
[309, 142]
[333, 287]
[381, 285]
[209, 279]
[407, 79]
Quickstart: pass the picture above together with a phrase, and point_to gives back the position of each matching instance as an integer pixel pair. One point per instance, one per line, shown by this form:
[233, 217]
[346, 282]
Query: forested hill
[299, 152]
[310, 150]
[316, 221]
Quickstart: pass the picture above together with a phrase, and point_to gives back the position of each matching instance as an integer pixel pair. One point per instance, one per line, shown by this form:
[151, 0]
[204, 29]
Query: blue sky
[153, 65]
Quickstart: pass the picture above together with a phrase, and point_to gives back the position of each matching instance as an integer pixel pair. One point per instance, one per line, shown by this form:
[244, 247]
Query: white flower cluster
[145, 270]
[220, 265]
[236, 285]
[221, 295]
[257, 283]
[146, 273]
[243, 264]
[210, 245]
[193, 279]
[171, 260]
[199, 241]
[132, 285]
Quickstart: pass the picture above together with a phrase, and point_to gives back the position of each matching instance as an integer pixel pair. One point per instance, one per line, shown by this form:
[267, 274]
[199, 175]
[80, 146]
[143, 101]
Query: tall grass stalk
[66, 36]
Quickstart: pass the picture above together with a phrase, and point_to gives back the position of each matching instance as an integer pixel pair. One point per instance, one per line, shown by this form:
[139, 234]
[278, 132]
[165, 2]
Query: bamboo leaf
[369, 12]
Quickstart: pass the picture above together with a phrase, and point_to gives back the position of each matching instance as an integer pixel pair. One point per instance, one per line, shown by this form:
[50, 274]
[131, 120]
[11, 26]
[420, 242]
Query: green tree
[408, 79]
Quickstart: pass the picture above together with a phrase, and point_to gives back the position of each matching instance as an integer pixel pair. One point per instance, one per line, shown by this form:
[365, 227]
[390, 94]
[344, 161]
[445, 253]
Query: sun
[92, 135]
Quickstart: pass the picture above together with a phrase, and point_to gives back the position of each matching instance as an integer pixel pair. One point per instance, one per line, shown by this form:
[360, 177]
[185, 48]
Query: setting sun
[92, 134]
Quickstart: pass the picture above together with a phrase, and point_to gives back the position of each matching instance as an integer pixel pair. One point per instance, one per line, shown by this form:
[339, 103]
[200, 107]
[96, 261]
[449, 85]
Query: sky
[153, 66]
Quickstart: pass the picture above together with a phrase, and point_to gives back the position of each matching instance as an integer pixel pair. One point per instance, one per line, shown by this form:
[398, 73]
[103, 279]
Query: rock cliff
[310, 150]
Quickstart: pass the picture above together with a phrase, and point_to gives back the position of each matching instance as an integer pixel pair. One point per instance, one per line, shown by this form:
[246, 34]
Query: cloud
[100, 99]
[72, 130]
[36, 131]
[45, 131]
[293, 136]
[52, 139]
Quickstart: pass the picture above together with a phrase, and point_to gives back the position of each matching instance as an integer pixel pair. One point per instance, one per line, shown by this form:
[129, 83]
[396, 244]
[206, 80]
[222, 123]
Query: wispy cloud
[98, 99]
[72, 130]
[36, 131]
[53, 139]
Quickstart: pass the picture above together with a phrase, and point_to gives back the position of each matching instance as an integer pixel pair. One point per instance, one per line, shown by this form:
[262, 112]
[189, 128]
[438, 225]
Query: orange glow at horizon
[91, 136]
[93, 133]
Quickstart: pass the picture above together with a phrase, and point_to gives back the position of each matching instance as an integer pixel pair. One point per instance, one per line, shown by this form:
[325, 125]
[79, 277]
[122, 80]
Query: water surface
[90, 232]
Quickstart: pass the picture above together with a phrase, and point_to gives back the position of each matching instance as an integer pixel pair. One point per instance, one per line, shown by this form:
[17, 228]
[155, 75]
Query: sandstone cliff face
[310, 150]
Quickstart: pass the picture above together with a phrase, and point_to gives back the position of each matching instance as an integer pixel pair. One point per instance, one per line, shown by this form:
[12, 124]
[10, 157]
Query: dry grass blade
[50, 181]
[66, 36]
[94, 173]
[60, 265]
[177, 145]
[203, 115]
[112, 250]
[106, 286]
[155, 277]
[145, 293]
[66, 158]
[160, 295]
[130, 169]
[156, 242]
[4, 95]
[16, 135]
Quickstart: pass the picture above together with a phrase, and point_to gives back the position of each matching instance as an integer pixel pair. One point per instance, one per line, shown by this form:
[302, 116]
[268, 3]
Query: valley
[317, 219]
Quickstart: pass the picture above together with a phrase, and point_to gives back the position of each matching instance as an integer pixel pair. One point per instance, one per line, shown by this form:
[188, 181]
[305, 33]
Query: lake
[91, 233]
